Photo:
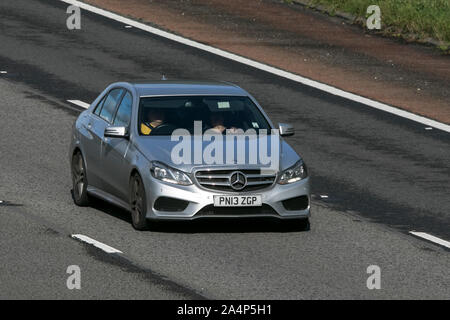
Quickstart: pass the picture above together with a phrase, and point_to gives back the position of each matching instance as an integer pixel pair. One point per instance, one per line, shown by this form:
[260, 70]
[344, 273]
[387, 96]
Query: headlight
[162, 172]
[295, 173]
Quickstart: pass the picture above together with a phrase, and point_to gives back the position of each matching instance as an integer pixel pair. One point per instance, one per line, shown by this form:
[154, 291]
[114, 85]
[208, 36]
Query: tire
[79, 181]
[138, 203]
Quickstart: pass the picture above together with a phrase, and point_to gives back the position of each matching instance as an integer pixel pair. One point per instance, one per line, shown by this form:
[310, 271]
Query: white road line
[3, 72]
[264, 67]
[79, 103]
[431, 238]
[95, 243]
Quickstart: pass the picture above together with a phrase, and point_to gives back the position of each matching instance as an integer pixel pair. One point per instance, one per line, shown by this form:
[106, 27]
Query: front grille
[210, 210]
[220, 179]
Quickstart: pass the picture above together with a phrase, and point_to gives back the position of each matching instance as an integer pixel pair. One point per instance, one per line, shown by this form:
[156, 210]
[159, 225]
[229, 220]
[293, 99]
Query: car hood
[159, 148]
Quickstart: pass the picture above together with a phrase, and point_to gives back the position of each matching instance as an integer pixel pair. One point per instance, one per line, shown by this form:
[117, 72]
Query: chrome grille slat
[249, 176]
[209, 183]
[218, 179]
[256, 183]
[215, 176]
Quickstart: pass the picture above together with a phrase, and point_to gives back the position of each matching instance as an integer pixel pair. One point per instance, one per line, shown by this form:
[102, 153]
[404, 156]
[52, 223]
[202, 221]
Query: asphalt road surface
[384, 176]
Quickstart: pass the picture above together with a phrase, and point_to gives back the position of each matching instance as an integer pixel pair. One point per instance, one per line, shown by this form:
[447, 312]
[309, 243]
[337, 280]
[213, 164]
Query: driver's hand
[219, 128]
[233, 130]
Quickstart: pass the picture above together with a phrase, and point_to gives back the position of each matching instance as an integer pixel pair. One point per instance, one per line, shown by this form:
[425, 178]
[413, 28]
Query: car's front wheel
[138, 202]
[79, 180]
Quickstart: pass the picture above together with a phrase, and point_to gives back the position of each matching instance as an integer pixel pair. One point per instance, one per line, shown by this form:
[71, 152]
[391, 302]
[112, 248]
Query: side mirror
[286, 130]
[116, 132]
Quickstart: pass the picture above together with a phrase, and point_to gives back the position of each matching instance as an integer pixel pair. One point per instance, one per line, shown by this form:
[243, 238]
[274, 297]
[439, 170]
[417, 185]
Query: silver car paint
[111, 161]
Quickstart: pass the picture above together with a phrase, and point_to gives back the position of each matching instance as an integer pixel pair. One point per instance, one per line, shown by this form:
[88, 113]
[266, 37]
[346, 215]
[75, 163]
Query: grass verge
[413, 20]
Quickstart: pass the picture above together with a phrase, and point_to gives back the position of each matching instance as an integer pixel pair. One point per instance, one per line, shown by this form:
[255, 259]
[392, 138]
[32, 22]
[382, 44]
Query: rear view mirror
[116, 132]
[286, 130]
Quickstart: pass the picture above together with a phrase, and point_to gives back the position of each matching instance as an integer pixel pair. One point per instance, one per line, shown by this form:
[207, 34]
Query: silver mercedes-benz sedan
[168, 150]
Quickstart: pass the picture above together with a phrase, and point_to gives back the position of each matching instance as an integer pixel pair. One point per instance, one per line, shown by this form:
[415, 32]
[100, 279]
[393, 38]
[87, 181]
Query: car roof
[170, 87]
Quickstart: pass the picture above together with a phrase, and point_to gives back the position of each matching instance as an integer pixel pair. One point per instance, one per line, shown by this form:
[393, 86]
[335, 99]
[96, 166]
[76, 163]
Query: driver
[155, 118]
[218, 123]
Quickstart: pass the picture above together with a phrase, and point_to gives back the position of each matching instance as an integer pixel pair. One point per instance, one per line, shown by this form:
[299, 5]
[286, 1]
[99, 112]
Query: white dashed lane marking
[95, 243]
[79, 103]
[431, 238]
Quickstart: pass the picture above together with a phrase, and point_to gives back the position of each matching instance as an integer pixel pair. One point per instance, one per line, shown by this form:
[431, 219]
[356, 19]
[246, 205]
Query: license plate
[238, 201]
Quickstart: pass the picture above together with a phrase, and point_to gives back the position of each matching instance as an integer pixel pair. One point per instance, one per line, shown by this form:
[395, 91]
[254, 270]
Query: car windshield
[162, 115]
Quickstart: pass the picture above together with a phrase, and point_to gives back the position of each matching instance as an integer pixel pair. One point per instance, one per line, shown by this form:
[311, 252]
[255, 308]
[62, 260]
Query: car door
[93, 144]
[115, 157]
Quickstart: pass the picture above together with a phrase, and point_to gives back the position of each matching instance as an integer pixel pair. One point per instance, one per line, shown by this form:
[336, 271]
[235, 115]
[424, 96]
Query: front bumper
[201, 203]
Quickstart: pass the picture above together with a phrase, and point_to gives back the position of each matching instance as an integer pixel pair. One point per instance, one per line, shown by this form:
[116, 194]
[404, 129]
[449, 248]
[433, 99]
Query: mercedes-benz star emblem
[238, 180]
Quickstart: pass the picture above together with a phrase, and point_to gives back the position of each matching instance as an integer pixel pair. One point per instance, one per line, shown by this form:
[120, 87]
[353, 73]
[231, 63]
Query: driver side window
[110, 104]
[123, 115]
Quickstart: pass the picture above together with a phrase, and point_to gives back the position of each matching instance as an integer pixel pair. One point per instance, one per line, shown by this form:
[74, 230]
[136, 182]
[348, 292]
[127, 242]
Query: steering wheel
[164, 129]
